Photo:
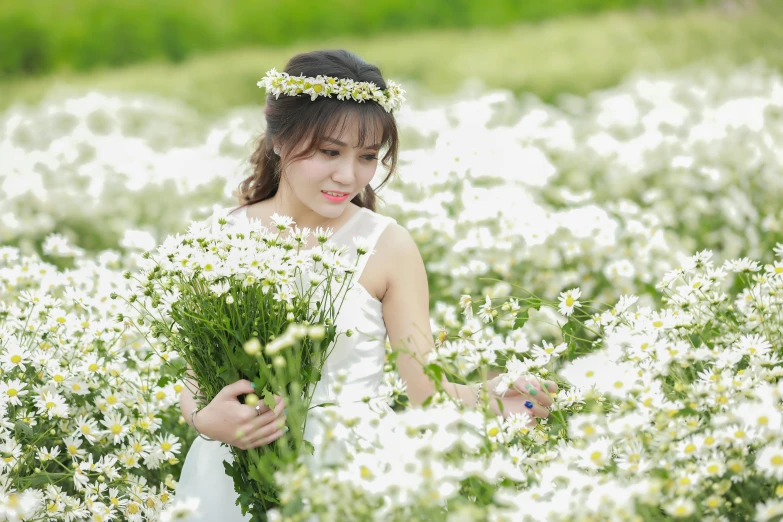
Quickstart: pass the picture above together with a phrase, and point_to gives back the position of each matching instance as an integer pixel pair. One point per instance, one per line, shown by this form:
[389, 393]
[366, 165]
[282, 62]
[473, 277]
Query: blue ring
[529, 404]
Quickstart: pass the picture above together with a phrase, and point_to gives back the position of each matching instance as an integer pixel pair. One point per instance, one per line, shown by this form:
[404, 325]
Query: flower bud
[251, 399]
[252, 347]
[316, 332]
[278, 361]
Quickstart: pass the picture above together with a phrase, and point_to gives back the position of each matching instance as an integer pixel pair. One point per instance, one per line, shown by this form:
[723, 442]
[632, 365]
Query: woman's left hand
[525, 395]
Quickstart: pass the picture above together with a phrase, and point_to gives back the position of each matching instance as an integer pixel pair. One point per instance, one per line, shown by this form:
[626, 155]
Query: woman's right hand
[228, 420]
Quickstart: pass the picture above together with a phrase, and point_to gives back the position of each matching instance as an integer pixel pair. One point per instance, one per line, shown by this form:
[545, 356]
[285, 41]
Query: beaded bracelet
[193, 423]
[478, 392]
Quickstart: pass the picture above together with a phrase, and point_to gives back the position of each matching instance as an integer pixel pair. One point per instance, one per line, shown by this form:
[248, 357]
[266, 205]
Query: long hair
[292, 120]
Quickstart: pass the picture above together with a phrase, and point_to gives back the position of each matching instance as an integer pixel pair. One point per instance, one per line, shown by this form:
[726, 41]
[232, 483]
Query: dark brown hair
[291, 120]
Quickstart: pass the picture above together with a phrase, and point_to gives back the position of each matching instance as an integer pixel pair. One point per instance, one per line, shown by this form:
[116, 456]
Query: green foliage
[46, 35]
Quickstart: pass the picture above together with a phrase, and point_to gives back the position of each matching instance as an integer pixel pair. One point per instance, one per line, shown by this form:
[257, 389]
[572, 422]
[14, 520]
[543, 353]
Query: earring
[276, 150]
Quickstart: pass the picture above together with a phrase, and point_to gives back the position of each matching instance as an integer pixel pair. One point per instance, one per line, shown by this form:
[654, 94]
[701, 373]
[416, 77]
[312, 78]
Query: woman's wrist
[193, 423]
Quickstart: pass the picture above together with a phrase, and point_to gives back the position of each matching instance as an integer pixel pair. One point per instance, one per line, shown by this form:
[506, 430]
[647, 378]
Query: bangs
[374, 125]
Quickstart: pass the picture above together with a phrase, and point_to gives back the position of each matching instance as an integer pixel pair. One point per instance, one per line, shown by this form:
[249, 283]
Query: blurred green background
[210, 53]
[44, 35]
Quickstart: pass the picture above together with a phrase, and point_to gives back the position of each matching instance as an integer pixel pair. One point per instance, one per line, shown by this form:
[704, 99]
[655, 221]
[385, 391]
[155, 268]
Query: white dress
[361, 357]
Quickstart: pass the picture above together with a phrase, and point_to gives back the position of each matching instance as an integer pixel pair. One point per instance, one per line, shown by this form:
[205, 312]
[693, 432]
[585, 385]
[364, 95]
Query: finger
[532, 389]
[268, 440]
[261, 433]
[263, 407]
[551, 387]
[524, 404]
[264, 418]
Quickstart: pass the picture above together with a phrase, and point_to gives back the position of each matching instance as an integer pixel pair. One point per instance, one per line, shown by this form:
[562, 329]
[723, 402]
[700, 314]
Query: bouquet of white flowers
[244, 302]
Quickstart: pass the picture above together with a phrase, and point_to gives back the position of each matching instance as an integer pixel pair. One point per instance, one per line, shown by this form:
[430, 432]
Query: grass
[569, 55]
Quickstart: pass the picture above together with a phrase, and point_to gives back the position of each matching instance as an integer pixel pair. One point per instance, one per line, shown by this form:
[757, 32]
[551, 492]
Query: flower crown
[278, 83]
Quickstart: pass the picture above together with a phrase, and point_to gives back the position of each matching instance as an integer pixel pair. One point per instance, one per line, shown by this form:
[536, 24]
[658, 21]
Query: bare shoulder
[399, 254]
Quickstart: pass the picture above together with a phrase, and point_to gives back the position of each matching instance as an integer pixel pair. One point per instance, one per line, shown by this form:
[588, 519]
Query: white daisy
[12, 390]
[569, 300]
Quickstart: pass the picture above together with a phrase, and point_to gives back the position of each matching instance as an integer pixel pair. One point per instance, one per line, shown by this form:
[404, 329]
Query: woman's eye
[333, 153]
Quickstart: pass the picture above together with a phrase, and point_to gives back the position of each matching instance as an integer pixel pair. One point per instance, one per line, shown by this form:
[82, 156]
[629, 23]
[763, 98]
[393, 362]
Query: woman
[315, 163]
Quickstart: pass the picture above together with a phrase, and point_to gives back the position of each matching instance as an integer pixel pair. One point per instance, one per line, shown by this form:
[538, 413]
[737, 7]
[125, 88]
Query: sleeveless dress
[352, 373]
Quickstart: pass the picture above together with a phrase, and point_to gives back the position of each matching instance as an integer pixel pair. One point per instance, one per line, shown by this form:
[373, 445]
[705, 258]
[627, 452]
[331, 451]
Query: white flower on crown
[277, 83]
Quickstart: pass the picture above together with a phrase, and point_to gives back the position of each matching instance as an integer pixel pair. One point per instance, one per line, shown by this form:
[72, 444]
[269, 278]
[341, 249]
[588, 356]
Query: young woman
[329, 121]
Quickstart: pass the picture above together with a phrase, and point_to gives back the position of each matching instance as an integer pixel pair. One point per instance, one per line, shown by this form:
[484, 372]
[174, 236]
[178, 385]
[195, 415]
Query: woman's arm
[186, 401]
[407, 317]
[406, 312]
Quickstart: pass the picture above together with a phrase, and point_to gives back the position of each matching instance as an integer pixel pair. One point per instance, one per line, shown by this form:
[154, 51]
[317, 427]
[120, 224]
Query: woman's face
[337, 165]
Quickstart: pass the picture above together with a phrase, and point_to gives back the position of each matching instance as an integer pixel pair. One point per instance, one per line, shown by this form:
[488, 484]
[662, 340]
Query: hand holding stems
[526, 394]
[240, 425]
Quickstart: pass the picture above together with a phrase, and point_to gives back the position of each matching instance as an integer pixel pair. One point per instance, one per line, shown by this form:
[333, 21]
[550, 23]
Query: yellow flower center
[116, 429]
[493, 432]
[12, 392]
[16, 359]
[165, 446]
[777, 460]
[690, 448]
[569, 301]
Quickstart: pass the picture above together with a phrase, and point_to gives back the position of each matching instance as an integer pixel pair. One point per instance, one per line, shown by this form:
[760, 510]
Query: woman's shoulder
[227, 213]
[395, 244]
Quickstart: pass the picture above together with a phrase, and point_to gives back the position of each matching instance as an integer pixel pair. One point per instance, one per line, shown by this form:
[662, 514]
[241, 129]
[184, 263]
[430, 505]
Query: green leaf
[308, 447]
[436, 370]
[23, 427]
[269, 399]
[522, 318]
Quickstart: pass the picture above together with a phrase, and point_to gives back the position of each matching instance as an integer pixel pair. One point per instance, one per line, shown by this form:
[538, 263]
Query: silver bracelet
[193, 423]
[478, 392]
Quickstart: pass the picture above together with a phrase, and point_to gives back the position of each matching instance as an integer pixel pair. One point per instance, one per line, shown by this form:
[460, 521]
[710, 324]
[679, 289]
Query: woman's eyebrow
[377, 146]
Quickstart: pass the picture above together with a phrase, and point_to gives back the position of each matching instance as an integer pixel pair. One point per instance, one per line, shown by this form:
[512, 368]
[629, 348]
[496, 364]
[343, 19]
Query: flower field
[628, 245]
